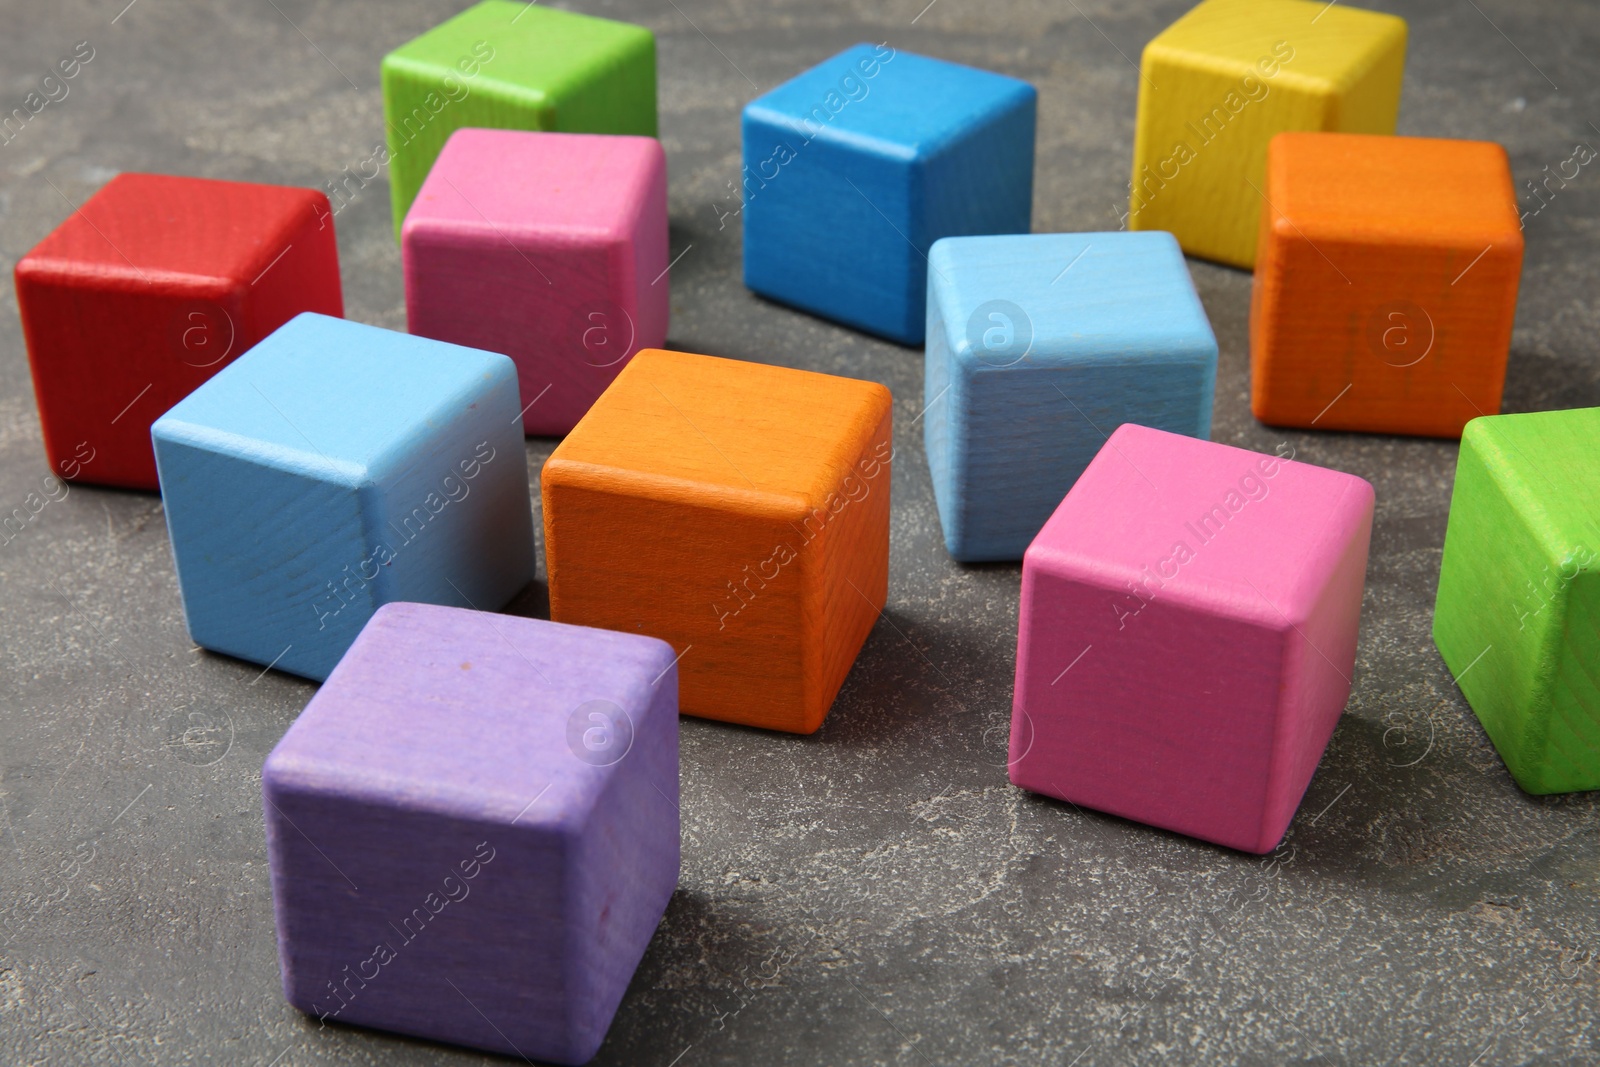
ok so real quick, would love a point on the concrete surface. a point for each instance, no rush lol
(876, 894)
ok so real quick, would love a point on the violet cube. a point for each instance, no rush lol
(548, 247)
(473, 829)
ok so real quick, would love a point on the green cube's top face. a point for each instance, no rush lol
(1326, 46)
(512, 66)
(538, 53)
(1547, 463)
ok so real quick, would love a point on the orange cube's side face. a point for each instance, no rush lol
(710, 580)
(851, 577)
(1372, 310)
(739, 512)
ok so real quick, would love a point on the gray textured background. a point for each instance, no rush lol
(877, 893)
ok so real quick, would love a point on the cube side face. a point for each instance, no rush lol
(1521, 667)
(625, 870)
(570, 308)
(944, 426)
(377, 907)
(498, 66)
(300, 273)
(109, 357)
(858, 269)
(851, 585)
(1181, 740)
(692, 572)
(1193, 163)
(1033, 431)
(450, 520)
(1413, 330)
(261, 552)
(1319, 664)
(980, 182)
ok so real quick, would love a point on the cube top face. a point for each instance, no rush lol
(1332, 44)
(341, 399)
(1225, 531)
(1047, 300)
(1345, 187)
(1547, 465)
(924, 104)
(574, 188)
(146, 228)
(1374, 309)
(540, 54)
(727, 427)
(529, 709)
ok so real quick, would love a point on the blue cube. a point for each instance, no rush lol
(334, 468)
(853, 169)
(1038, 347)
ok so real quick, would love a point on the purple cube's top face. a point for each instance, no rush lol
(474, 716)
(1218, 529)
(577, 188)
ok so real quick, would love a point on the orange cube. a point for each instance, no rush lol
(736, 510)
(1385, 283)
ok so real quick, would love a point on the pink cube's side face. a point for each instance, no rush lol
(550, 248)
(1168, 721)
(1187, 635)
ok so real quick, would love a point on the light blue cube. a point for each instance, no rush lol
(334, 468)
(1039, 346)
(853, 169)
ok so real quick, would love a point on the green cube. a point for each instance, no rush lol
(1518, 613)
(512, 66)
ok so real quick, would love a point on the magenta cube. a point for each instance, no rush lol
(1187, 635)
(548, 247)
(473, 829)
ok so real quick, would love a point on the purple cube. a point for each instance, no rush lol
(473, 829)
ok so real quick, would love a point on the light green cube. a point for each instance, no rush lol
(512, 66)
(1518, 613)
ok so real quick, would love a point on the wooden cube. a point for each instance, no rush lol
(1518, 613)
(1216, 85)
(1038, 346)
(1375, 308)
(505, 64)
(548, 247)
(1187, 634)
(336, 467)
(736, 510)
(853, 169)
(150, 288)
(473, 830)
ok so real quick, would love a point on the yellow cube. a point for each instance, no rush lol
(1219, 83)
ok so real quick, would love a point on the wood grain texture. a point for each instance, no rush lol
(548, 247)
(1187, 634)
(502, 64)
(1038, 346)
(736, 510)
(479, 802)
(855, 167)
(1219, 83)
(336, 467)
(150, 288)
(1387, 285)
(1517, 617)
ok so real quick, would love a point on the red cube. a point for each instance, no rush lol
(151, 287)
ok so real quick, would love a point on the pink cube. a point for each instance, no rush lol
(548, 247)
(1187, 635)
